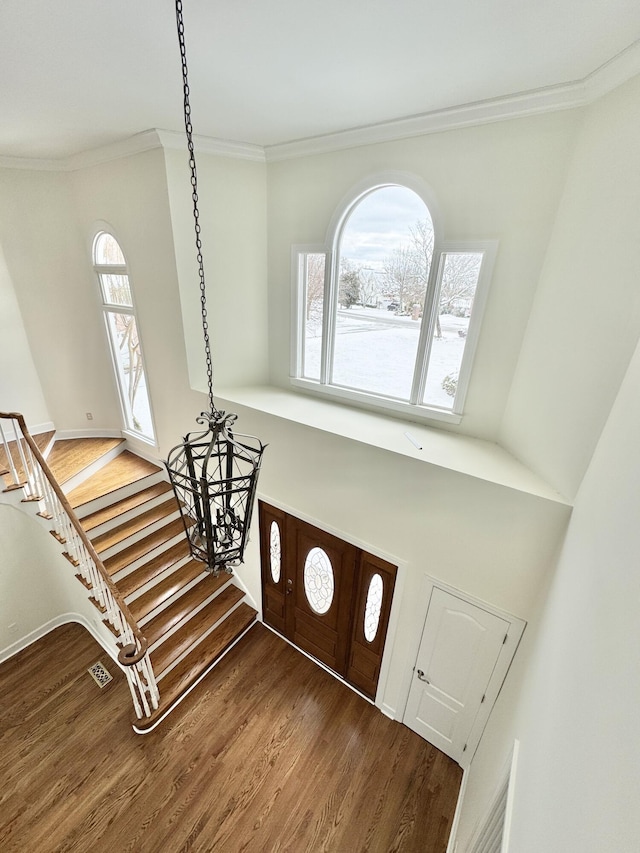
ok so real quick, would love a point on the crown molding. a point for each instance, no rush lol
(565, 96)
(148, 140)
(174, 141)
(550, 99)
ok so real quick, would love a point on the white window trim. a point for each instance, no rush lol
(109, 307)
(412, 408)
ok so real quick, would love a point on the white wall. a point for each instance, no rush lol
(233, 207)
(37, 584)
(130, 196)
(56, 290)
(494, 542)
(585, 320)
(496, 181)
(572, 694)
(20, 389)
(576, 715)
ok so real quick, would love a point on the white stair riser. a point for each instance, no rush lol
(123, 517)
(146, 558)
(179, 594)
(174, 567)
(92, 469)
(175, 663)
(118, 494)
(138, 536)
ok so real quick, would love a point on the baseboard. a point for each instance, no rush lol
(34, 429)
(453, 842)
(51, 625)
(388, 711)
(89, 433)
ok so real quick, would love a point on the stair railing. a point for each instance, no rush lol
(27, 469)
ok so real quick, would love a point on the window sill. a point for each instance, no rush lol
(371, 400)
(472, 457)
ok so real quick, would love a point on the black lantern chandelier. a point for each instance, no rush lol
(214, 473)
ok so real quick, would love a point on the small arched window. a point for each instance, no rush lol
(389, 315)
(124, 337)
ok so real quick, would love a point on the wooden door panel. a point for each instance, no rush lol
(335, 635)
(371, 620)
(324, 635)
(273, 591)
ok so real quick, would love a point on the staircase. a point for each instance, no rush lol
(130, 514)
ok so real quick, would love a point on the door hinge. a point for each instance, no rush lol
(505, 639)
(483, 698)
(464, 747)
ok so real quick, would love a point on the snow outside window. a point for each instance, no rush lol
(389, 315)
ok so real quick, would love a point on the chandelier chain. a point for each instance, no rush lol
(194, 196)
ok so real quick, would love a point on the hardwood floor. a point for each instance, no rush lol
(269, 753)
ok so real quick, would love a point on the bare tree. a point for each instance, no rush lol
(398, 276)
(369, 287)
(459, 280)
(315, 264)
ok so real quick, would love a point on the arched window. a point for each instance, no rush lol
(389, 315)
(124, 337)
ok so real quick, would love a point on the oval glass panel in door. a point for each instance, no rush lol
(318, 580)
(372, 608)
(275, 553)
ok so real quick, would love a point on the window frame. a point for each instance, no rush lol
(111, 308)
(413, 408)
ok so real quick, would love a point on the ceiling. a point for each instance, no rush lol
(85, 73)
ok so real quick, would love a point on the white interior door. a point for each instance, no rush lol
(456, 667)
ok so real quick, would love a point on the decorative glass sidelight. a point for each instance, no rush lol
(372, 608)
(275, 551)
(318, 580)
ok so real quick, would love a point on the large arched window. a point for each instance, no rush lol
(389, 315)
(124, 337)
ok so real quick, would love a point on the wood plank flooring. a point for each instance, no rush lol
(124, 469)
(72, 455)
(269, 753)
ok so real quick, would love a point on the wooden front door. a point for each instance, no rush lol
(326, 596)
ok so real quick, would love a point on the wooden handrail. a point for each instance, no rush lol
(127, 655)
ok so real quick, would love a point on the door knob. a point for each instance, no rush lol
(422, 677)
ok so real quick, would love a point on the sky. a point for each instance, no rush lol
(380, 223)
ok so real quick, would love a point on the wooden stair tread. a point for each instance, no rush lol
(71, 455)
(148, 601)
(125, 469)
(188, 602)
(185, 637)
(182, 676)
(157, 565)
(89, 522)
(138, 549)
(118, 534)
(42, 440)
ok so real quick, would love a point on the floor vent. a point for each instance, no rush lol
(99, 674)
